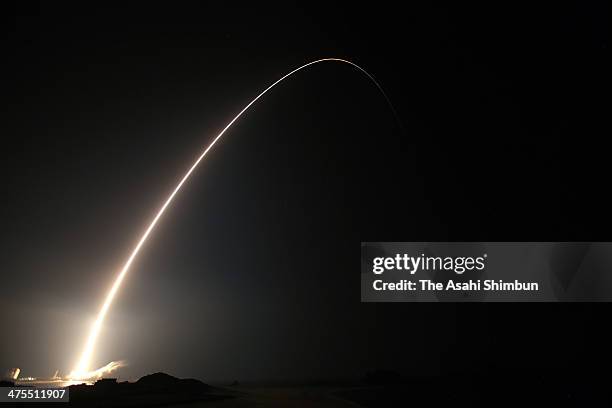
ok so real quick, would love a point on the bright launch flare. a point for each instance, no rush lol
(81, 371)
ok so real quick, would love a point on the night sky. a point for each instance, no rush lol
(253, 272)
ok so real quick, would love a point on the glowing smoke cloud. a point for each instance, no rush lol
(81, 371)
(100, 372)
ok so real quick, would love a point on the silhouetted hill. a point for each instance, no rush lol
(158, 379)
(163, 381)
(151, 390)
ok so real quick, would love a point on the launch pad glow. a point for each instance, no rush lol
(82, 369)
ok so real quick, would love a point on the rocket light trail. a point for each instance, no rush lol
(81, 371)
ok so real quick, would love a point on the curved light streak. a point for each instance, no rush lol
(82, 368)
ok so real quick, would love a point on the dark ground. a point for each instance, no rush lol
(377, 389)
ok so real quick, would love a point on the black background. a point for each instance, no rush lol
(253, 273)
